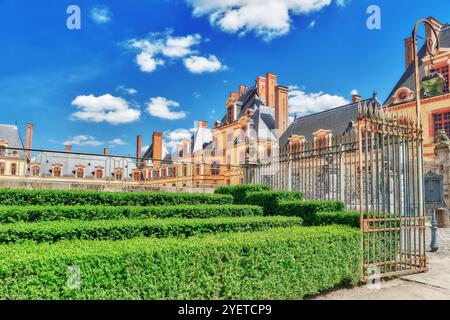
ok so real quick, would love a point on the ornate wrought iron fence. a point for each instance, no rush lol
(375, 170)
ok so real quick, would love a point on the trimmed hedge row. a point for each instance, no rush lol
(270, 200)
(126, 229)
(308, 210)
(347, 218)
(11, 214)
(281, 263)
(62, 197)
(239, 192)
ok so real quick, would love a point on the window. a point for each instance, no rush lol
(441, 121)
(118, 174)
(99, 173)
(2, 168)
(444, 72)
(2, 150)
(79, 172)
(197, 169)
(215, 170)
(184, 170)
(57, 171)
(35, 170)
(136, 175)
(14, 169)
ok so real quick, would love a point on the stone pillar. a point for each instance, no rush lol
(442, 152)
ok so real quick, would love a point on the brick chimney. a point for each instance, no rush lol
(281, 108)
(157, 145)
(408, 51)
(242, 89)
(105, 151)
(202, 124)
(261, 87)
(29, 140)
(68, 148)
(138, 150)
(356, 97)
(271, 83)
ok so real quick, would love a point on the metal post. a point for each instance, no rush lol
(434, 246)
(432, 48)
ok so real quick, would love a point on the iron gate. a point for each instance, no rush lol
(375, 170)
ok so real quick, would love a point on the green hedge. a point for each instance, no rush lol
(11, 214)
(61, 197)
(270, 200)
(308, 210)
(239, 192)
(347, 218)
(281, 263)
(126, 229)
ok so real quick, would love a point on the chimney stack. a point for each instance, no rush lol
(157, 145)
(138, 150)
(242, 89)
(356, 97)
(271, 83)
(409, 43)
(105, 151)
(29, 140)
(281, 108)
(68, 148)
(261, 87)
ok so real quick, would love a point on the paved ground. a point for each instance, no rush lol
(434, 284)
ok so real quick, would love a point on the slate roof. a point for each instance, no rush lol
(407, 79)
(338, 120)
(11, 134)
(70, 161)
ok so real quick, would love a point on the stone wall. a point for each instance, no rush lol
(111, 186)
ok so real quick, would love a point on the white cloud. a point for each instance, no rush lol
(266, 18)
(83, 140)
(154, 50)
(161, 108)
(198, 65)
(176, 137)
(302, 103)
(125, 90)
(342, 3)
(354, 92)
(117, 142)
(106, 108)
(101, 14)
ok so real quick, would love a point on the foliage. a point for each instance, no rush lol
(270, 200)
(281, 263)
(63, 197)
(11, 214)
(239, 192)
(54, 231)
(308, 210)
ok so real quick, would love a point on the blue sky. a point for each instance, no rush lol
(138, 66)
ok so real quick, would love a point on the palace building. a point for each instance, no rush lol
(434, 77)
(254, 120)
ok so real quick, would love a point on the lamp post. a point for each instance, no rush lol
(432, 47)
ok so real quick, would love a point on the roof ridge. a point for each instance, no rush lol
(332, 109)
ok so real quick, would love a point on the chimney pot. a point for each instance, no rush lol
(409, 43)
(105, 151)
(68, 148)
(356, 98)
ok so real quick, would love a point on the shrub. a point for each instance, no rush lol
(269, 200)
(240, 191)
(126, 229)
(61, 197)
(11, 214)
(347, 218)
(281, 263)
(308, 210)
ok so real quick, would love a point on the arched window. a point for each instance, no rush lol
(57, 170)
(2, 168)
(136, 175)
(99, 172)
(79, 172)
(35, 170)
(403, 94)
(118, 173)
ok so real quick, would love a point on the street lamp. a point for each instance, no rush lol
(432, 47)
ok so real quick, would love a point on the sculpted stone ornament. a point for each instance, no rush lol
(443, 141)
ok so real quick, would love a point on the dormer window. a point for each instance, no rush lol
(99, 172)
(35, 170)
(57, 170)
(403, 94)
(79, 172)
(118, 173)
(3, 146)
